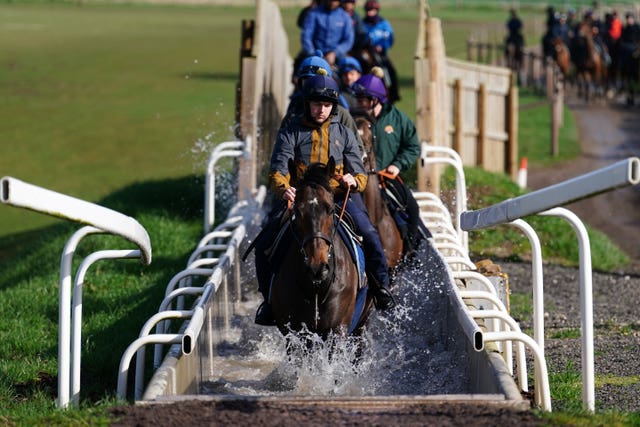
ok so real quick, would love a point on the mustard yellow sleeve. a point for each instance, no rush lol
(279, 183)
(361, 179)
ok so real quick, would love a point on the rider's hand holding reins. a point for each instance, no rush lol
(348, 181)
(393, 171)
(289, 194)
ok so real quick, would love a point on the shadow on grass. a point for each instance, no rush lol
(30, 261)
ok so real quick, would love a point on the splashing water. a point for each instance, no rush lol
(408, 351)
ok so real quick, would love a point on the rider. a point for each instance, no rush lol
(349, 71)
(360, 36)
(514, 29)
(396, 145)
(315, 137)
(381, 39)
(327, 28)
(308, 68)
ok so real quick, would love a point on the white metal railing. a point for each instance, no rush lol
(100, 220)
(216, 258)
(452, 244)
(545, 202)
(222, 150)
(439, 154)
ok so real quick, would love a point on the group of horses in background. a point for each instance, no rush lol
(597, 70)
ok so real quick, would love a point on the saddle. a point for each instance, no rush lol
(397, 196)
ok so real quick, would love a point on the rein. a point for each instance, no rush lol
(328, 240)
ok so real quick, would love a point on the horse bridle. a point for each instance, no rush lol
(327, 239)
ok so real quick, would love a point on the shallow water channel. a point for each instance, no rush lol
(411, 350)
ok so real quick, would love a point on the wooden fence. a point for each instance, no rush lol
(472, 108)
(542, 75)
(264, 88)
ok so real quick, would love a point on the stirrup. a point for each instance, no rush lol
(264, 315)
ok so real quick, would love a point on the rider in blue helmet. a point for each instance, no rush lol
(349, 71)
(316, 136)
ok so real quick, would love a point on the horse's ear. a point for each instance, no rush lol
(292, 170)
(331, 167)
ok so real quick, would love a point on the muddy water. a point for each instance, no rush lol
(408, 351)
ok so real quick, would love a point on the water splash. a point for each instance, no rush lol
(408, 351)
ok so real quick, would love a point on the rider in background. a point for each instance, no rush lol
(381, 39)
(349, 70)
(313, 137)
(514, 29)
(629, 40)
(514, 33)
(327, 28)
(396, 146)
(360, 35)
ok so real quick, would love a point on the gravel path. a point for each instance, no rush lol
(616, 298)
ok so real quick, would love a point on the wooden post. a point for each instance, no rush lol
(512, 166)
(557, 104)
(458, 116)
(245, 101)
(482, 127)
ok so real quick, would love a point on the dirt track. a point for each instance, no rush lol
(608, 132)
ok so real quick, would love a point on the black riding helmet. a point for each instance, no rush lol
(320, 88)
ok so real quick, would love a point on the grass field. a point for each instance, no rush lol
(119, 104)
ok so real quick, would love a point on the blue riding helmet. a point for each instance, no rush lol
(321, 88)
(349, 63)
(312, 65)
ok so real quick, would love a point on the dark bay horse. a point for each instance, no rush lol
(316, 286)
(376, 205)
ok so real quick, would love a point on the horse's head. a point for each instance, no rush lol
(313, 220)
(363, 123)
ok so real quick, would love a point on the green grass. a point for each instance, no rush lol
(119, 105)
(98, 97)
(119, 296)
(557, 238)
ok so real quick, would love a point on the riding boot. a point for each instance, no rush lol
(382, 297)
(264, 315)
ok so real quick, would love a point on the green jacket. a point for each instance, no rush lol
(396, 140)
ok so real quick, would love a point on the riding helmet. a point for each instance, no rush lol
(320, 88)
(347, 64)
(370, 86)
(313, 65)
(371, 4)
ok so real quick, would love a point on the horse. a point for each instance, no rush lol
(377, 207)
(590, 68)
(514, 53)
(562, 56)
(316, 288)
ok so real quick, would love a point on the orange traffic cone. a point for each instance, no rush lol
(522, 173)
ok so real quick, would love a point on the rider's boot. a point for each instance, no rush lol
(382, 297)
(264, 315)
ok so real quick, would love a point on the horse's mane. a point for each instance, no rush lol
(316, 174)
